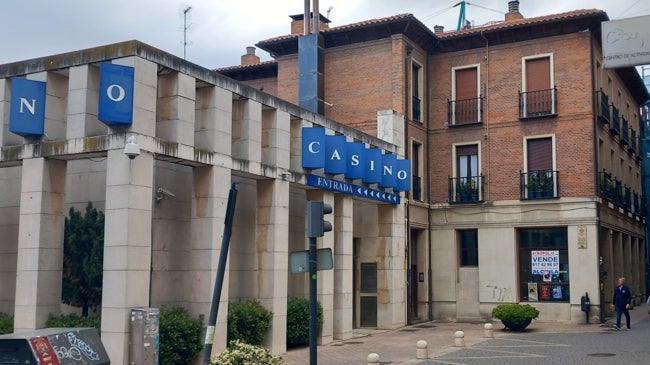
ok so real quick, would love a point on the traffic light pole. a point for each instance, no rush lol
(313, 303)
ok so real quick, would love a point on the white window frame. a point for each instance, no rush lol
(524, 87)
(477, 66)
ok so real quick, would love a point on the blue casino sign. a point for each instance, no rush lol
(336, 156)
(27, 108)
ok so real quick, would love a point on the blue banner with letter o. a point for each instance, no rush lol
(115, 94)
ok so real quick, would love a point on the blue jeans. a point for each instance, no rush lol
(620, 311)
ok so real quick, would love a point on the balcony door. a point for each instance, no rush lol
(467, 172)
(466, 101)
(538, 87)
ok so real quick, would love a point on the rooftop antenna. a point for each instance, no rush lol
(329, 10)
(461, 16)
(185, 28)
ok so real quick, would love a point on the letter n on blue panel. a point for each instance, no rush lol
(388, 176)
(115, 94)
(27, 108)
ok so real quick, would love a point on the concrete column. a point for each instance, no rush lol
(6, 138)
(83, 89)
(144, 94)
(127, 247)
(56, 95)
(325, 277)
(40, 243)
(213, 116)
(175, 108)
(272, 242)
(10, 196)
(275, 138)
(391, 275)
(247, 130)
(343, 266)
(211, 188)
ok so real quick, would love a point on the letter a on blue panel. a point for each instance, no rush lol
(388, 175)
(356, 166)
(336, 154)
(115, 94)
(403, 175)
(27, 107)
(313, 147)
(373, 166)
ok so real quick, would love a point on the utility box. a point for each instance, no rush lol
(144, 338)
(53, 346)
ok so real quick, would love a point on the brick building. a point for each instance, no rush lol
(523, 144)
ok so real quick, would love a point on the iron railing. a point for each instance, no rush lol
(603, 106)
(416, 109)
(625, 133)
(539, 184)
(539, 103)
(417, 188)
(615, 125)
(466, 189)
(468, 111)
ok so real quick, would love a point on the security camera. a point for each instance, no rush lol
(163, 193)
(131, 149)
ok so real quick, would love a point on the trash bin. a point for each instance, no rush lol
(53, 346)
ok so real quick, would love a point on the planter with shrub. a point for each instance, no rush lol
(239, 353)
(298, 321)
(6, 323)
(248, 322)
(515, 316)
(180, 336)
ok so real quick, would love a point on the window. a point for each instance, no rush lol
(466, 186)
(416, 83)
(540, 179)
(415, 168)
(468, 247)
(539, 96)
(465, 106)
(544, 265)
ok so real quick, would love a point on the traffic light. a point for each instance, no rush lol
(316, 225)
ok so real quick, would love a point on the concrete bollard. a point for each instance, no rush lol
(488, 331)
(422, 352)
(459, 339)
(373, 358)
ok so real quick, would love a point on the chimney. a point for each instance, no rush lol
(250, 58)
(513, 11)
(298, 23)
(438, 29)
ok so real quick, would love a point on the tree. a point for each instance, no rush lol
(83, 258)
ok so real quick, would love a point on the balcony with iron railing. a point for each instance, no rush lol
(539, 184)
(614, 191)
(417, 113)
(467, 189)
(537, 104)
(603, 112)
(464, 112)
(632, 147)
(625, 133)
(615, 125)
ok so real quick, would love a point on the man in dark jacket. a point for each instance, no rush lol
(622, 300)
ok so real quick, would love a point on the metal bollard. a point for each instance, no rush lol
(422, 352)
(488, 331)
(373, 358)
(459, 339)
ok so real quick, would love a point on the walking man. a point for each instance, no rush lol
(622, 300)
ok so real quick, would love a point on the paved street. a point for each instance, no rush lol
(543, 343)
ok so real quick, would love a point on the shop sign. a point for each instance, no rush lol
(27, 108)
(545, 262)
(347, 188)
(353, 160)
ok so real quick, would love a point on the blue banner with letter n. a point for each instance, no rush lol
(27, 107)
(115, 94)
(388, 178)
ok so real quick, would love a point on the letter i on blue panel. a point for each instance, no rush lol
(373, 168)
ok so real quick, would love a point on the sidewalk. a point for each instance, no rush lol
(399, 346)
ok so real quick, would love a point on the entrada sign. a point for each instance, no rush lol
(336, 156)
(27, 108)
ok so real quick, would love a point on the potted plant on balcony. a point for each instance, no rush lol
(515, 316)
(546, 184)
(467, 190)
(534, 186)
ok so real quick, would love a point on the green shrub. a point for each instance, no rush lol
(74, 320)
(6, 323)
(239, 353)
(515, 316)
(298, 321)
(248, 322)
(180, 336)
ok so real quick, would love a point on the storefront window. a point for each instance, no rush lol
(544, 265)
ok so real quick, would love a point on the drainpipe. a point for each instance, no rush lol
(408, 112)
(306, 18)
(428, 164)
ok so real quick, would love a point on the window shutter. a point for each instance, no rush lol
(540, 154)
(538, 74)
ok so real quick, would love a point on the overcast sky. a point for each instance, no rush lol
(219, 30)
